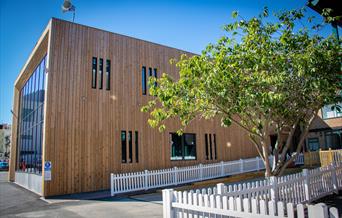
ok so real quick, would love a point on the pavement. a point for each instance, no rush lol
(16, 201)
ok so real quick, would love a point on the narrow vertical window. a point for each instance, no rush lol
(100, 73)
(94, 72)
(215, 148)
(130, 146)
(211, 147)
(189, 147)
(150, 72)
(149, 76)
(108, 75)
(136, 147)
(176, 147)
(143, 80)
(155, 76)
(206, 147)
(123, 147)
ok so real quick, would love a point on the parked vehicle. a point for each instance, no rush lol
(3, 166)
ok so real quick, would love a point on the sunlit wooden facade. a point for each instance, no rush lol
(93, 128)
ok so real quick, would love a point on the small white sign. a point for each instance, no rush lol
(47, 171)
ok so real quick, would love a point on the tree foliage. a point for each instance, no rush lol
(262, 76)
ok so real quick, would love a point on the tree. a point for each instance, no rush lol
(262, 76)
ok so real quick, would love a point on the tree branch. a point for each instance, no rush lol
(288, 141)
(300, 144)
(238, 123)
(258, 147)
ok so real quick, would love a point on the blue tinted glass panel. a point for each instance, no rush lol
(31, 117)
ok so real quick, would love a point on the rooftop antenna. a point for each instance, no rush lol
(69, 7)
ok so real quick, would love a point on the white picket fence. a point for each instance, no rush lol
(144, 180)
(258, 198)
(196, 205)
(306, 186)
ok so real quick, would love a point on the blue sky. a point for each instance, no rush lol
(187, 25)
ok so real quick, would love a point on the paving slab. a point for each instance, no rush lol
(16, 201)
(155, 198)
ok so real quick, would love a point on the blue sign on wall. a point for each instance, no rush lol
(47, 170)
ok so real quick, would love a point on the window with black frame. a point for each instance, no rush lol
(100, 73)
(143, 81)
(108, 74)
(155, 76)
(30, 123)
(123, 147)
(127, 138)
(333, 139)
(93, 73)
(210, 146)
(130, 147)
(313, 144)
(183, 147)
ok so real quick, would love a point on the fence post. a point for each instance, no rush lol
(167, 203)
(318, 210)
(334, 178)
(257, 163)
(176, 175)
(112, 184)
(220, 188)
(222, 170)
(201, 171)
(241, 165)
(274, 189)
(306, 184)
(146, 179)
(331, 158)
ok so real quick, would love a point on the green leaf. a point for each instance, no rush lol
(235, 14)
(161, 128)
(265, 12)
(226, 121)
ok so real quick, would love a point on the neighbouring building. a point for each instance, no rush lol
(5, 141)
(326, 130)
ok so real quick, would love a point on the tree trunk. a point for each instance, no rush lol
(268, 171)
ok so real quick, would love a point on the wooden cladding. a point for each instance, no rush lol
(100, 70)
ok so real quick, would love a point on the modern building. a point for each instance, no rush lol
(5, 141)
(78, 100)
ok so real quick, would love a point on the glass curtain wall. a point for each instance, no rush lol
(31, 118)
